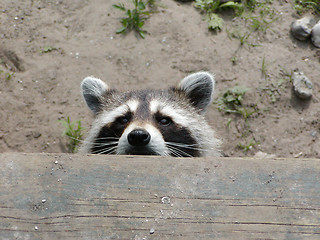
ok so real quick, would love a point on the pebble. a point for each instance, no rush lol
(36, 134)
(301, 28)
(315, 35)
(152, 231)
(313, 133)
(165, 200)
(302, 86)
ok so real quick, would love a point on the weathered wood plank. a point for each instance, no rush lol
(51, 196)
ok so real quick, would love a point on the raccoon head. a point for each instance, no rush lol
(151, 122)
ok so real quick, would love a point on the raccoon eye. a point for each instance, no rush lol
(165, 121)
(123, 120)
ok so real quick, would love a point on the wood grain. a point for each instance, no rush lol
(57, 196)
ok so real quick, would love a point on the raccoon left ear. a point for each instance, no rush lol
(93, 90)
(199, 88)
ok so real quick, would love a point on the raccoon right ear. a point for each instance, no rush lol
(198, 87)
(93, 90)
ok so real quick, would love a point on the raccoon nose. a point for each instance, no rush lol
(139, 137)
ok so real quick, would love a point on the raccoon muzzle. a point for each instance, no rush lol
(138, 137)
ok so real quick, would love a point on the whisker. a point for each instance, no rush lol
(188, 146)
(182, 145)
(107, 138)
(103, 144)
(96, 139)
(178, 151)
(108, 150)
(173, 152)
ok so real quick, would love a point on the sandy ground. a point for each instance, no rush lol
(45, 86)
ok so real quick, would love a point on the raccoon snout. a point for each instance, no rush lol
(139, 137)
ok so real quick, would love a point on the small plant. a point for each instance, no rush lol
(7, 75)
(135, 18)
(261, 22)
(302, 6)
(234, 60)
(48, 49)
(257, 18)
(246, 7)
(264, 68)
(274, 88)
(231, 100)
(248, 146)
(214, 21)
(242, 37)
(211, 7)
(74, 131)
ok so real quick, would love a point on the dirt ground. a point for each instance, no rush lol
(48, 47)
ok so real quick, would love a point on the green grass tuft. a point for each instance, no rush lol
(74, 131)
(134, 18)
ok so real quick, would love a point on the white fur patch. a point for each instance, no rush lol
(156, 143)
(133, 105)
(108, 117)
(154, 106)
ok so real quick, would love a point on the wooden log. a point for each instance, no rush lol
(58, 196)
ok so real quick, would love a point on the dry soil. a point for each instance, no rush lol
(49, 46)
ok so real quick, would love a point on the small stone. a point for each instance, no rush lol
(36, 134)
(313, 133)
(152, 231)
(315, 35)
(301, 28)
(43, 200)
(36, 228)
(165, 200)
(302, 86)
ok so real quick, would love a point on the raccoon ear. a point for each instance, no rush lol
(92, 92)
(199, 88)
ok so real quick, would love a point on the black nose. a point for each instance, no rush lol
(139, 137)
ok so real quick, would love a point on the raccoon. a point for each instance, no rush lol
(151, 122)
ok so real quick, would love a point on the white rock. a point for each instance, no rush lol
(315, 35)
(302, 86)
(301, 28)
